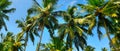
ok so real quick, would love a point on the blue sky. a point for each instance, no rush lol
(21, 12)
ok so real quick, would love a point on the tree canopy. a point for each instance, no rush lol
(71, 34)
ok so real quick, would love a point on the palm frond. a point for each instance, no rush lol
(89, 48)
(96, 2)
(32, 37)
(99, 32)
(88, 8)
(4, 4)
(79, 30)
(91, 26)
(47, 2)
(71, 10)
(9, 10)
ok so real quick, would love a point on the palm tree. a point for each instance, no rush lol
(3, 11)
(9, 43)
(73, 31)
(104, 12)
(100, 14)
(115, 39)
(42, 18)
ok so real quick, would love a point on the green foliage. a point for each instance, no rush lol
(96, 3)
(42, 18)
(89, 48)
(75, 29)
(104, 49)
(9, 43)
(3, 11)
(56, 44)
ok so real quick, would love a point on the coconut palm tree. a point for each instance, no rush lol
(4, 4)
(115, 39)
(104, 12)
(71, 30)
(9, 43)
(42, 18)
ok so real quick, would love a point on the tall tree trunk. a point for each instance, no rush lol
(39, 44)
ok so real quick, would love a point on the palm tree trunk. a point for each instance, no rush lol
(39, 44)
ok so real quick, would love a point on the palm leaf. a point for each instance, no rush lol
(71, 10)
(104, 49)
(3, 24)
(71, 32)
(96, 2)
(36, 32)
(31, 11)
(47, 2)
(88, 8)
(91, 26)
(79, 30)
(62, 31)
(32, 37)
(20, 23)
(9, 10)
(4, 4)
(99, 32)
(3, 10)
